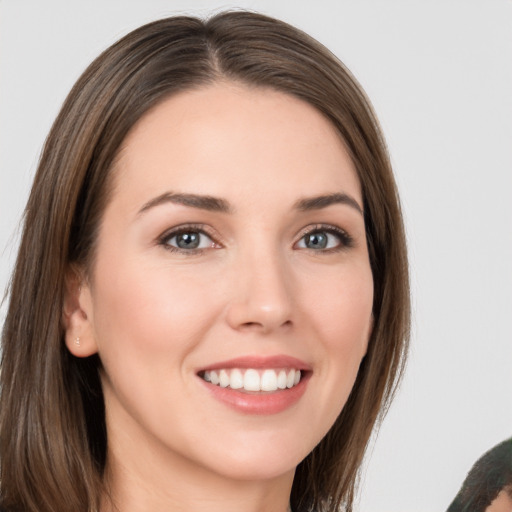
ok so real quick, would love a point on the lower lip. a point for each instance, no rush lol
(259, 403)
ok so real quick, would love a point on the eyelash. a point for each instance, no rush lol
(188, 228)
(345, 240)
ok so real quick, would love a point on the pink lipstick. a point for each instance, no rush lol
(255, 384)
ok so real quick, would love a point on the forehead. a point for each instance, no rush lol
(231, 140)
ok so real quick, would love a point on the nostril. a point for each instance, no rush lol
(250, 326)
(263, 326)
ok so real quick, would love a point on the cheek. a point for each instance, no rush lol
(343, 310)
(148, 320)
(146, 309)
(342, 324)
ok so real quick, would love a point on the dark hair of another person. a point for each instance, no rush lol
(53, 440)
(490, 474)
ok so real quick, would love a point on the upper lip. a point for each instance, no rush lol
(277, 361)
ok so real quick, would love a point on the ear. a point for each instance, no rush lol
(77, 315)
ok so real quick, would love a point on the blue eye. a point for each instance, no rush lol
(325, 239)
(318, 241)
(187, 239)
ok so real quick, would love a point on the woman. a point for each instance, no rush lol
(209, 308)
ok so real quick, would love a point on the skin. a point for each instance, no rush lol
(502, 503)
(156, 316)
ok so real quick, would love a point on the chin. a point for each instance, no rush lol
(259, 462)
(251, 470)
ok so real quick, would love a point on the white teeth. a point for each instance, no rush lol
(269, 381)
(253, 380)
(281, 380)
(290, 378)
(236, 380)
(223, 379)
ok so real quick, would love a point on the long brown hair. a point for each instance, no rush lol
(52, 427)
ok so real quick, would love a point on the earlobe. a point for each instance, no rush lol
(77, 316)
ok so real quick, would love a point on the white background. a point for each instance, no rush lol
(440, 76)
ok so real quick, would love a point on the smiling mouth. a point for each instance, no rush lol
(253, 380)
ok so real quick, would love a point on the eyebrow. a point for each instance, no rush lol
(323, 201)
(216, 204)
(209, 203)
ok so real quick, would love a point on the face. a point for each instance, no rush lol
(502, 503)
(231, 297)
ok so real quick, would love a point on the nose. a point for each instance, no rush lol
(261, 295)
